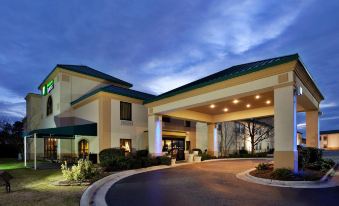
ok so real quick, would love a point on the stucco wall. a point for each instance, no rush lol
(201, 136)
(128, 130)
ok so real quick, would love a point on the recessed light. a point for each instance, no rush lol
(268, 102)
(257, 96)
(212, 106)
(248, 105)
(235, 101)
(225, 110)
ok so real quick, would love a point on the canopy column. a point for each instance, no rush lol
(25, 150)
(34, 142)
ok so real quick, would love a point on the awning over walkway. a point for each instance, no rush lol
(67, 132)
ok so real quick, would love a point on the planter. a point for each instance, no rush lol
(190, 157)
(196, 153)
(197, 158)
(173, 161)
(186, 156)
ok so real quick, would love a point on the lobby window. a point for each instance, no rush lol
(49, 106)
(50, 147)
(166, 119)
(187, 123)
(126, 144)
(125, 111)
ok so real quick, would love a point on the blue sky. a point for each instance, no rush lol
(159, 45)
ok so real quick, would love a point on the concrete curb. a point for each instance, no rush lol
(324, 182)
(95, 193)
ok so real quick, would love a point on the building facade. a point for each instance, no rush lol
(81, 110)
(329, 140)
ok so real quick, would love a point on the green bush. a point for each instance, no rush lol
(308, 155)
(282, 174)
(206, 156)
(263, 166)
(142, 153)
(109, 156)
(84, 170)
(321, 165)
(243, 152)
(164, 160)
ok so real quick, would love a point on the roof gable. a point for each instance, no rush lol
(116, 90)
(82, 69)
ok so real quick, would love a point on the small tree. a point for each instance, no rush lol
(257, 132)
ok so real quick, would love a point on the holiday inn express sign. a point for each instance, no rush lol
(46, 89)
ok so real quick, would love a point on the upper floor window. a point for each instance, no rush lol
(49, 106)
(125, 111)
(187, 123)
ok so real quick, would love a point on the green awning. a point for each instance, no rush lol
(67, 132)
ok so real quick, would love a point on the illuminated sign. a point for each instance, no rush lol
(46, 89)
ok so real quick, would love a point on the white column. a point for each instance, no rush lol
(212, 140)
(285, 128)
(155, 135)
(312, 129)
(34, 141)
(25, 150)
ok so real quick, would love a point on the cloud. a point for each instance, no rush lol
(301, 125)
(330, 118)
(7, 96)
(328, 105)
(239, 27)
(12, 110)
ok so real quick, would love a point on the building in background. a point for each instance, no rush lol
(329, 140)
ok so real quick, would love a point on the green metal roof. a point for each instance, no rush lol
(90, 72)
(329, 132)
(67, 132)
(229, 73)
(116, 90)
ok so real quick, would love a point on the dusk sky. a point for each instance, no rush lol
(160, 45)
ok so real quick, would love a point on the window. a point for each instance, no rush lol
(83, 148)
(325, 138)
(125, 111)
(187, 123)
(188, 145)
(126, 144)
(166, 119)
(49, 106)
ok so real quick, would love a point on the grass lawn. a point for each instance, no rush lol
(30, 187)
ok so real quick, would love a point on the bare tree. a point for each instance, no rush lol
(257, 132)
(228, 137)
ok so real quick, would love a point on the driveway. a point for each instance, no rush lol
(210, 183)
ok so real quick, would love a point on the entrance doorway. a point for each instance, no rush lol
(50, 147)
(170, 143)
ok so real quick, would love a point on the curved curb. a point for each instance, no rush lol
(324, 182)
(95, 193)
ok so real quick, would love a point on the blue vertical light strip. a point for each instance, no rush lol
(158, 135)
(295, 133)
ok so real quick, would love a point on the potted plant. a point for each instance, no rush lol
(197, 158)
(174, 153)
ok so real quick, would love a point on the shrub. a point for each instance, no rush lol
(164, 160)
(108, 156)
(243, 152)
(206, 156)
(82, 171)
(308, 155)
(263, 166)
(270, 151)
(282, 174)
(142, 153)
(321, 165)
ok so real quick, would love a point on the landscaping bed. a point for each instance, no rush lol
(311, 166)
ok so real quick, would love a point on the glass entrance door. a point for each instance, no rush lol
(170, 143)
